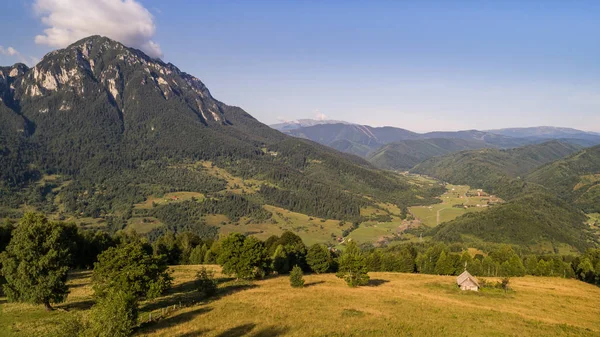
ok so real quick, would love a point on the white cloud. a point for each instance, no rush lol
(10, 51)
(126, 21)
(320, 116)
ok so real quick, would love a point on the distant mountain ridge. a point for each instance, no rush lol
(301, 123)
(371, 142)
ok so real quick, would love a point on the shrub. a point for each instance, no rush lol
(296, 279)
(206, 283)
(114, 315)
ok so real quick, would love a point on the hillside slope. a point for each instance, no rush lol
(496, 171)
(406, 154)
(104, 126)
(532, 220)
(575, 178)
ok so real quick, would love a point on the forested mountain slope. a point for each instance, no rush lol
(406, 154)
(497, 171)
(116, 126)
(535, 219)
(575, 178)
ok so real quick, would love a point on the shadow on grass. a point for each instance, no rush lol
(79, 274)
(194, 333)
(312, 284)
(150, 327)
(377, 282)
(271, 331)
(186, 293)
(246, 329)
(238, 331)
(81, 305)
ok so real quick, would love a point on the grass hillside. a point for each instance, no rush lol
(495, 170)
(576, 178)
(406, 154)
(541, 222)
(394, 304)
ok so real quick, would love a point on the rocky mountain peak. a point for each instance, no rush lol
(97, 65)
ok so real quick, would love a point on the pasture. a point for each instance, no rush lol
(394, 304)
(447, 210)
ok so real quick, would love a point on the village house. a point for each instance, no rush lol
(466, 281)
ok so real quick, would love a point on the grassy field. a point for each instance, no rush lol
(434, 215)
(311, 229)
(168, 198)
(392, 305)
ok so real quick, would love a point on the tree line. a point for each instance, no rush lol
(38, 254)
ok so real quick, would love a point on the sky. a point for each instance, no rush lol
(419, 65)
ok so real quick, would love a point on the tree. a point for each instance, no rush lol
(198, 253)
(296, 277)
(132, 269)
(206, 283)
(318, 258)
(167, 245)
(113, 315)
(374, 260)
(353, 267)
(36, 261)
(585, 270)
(279, 261)
(444, 265)
(244, 257)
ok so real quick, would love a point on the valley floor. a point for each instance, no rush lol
(393, 305)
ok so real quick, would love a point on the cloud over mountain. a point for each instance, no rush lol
(70, 20)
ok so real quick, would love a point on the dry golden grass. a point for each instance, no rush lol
(393, 305)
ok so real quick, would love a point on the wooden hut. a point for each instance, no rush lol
(466, 281)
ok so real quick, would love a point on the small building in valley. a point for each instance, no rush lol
(466, 281)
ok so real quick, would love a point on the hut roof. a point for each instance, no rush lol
(466, 276)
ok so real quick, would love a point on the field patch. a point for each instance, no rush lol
(169, 198)
(456, 201)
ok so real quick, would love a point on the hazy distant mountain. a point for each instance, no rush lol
(300, 123)
(546, 132)
(361, 140)
(352, 138)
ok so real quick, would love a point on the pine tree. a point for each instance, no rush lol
(353, 267)
(444, 265)
(36, 261)
(296, 277)
(318, 258)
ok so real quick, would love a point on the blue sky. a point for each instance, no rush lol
(420, 65)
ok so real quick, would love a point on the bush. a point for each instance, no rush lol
(206, 283)
(114, 315)
(296, 279)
